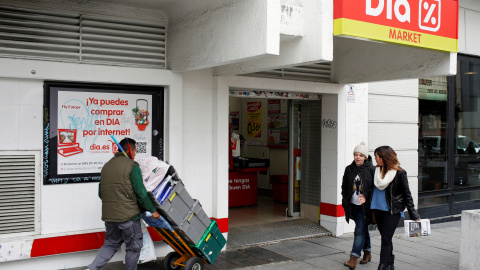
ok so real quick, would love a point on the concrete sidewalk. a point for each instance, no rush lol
(438, 251)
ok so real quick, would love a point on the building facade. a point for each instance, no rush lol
(197, 56)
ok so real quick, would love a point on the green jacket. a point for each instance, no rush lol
(122, 191)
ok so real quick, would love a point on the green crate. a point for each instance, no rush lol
(211, 243)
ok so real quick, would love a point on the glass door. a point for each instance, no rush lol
(432, 145)
(449, 141)
(466, 131)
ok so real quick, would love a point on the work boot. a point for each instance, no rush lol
(367, 256)
(352, 263)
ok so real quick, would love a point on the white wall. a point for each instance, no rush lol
(468, 30)
(315, 45)
(331, 155)
(198, 142)
(72, 208)
(204, 38)
(22, 106)
(393, 121)
(352, 128)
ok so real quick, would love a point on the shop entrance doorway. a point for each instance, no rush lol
(274, 178)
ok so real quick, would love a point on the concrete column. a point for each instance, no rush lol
(470, 240)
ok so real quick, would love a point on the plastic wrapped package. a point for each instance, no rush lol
(159, 223)
(153, 171)
(163, 189)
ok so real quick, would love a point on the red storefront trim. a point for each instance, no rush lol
(222, 224)
(332, 210)
(87, 241)
(66, 244)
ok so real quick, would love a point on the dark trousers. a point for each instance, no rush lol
(116, 233)
(387, 224)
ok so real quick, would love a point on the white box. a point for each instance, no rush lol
(415, 229)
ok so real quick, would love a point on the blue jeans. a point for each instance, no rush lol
(361, 236)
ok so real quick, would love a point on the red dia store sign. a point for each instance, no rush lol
(431, 24)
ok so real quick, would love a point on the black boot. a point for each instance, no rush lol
(382, 267)
(390, 263)
(390, 267)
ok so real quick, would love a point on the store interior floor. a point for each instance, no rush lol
(266, 222)
(265, 211)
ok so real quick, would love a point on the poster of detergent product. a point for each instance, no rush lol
(83, 126)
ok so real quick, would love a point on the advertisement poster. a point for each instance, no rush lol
(86, 121)
(281, 121)
(274, 136)
(82, 126)
(274, 106)
(283, 106)
(234, 120)
(254, 119)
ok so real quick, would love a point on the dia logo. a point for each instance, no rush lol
(429, 15)
(376, 11)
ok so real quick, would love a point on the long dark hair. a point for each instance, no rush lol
(389, 158)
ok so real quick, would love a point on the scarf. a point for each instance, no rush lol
(383, 183)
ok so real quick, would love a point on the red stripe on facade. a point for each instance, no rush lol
(332, 210)
(222, 224)
(67, 244)
(88, 241)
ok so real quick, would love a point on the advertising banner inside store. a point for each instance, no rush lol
(82, 122)
(431, 24)
(254, 119)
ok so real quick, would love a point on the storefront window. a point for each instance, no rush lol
(467, 125)
(449, 141)
(467, 196)
(432, 143)
(432, 201)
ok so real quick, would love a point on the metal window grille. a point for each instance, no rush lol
(33, 34)
(17, 193)
(317, 72)
(311, 137)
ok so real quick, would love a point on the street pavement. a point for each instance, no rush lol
(438, 251)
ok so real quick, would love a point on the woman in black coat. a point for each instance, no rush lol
(391, 196)
(357, 185)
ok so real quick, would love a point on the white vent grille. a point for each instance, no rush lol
(17, 193)
(80, 38)
(318, 72)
